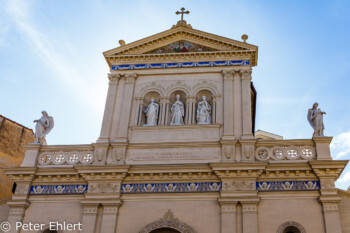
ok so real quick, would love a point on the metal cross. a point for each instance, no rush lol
(182, 13)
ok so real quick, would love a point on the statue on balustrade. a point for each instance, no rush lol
(203, 112)
(315, 118)
(43, 126)
(177, 112)
(152, 113)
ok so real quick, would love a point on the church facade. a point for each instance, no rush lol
(177, 153)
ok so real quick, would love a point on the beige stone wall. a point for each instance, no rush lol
(12, 135)
(199, 211)
(52, 208)
(276, 209)
(4, 210)
(344, 210)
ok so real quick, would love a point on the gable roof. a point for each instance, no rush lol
(142, 49)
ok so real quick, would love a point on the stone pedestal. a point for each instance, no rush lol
(31, 155)
(322, 147)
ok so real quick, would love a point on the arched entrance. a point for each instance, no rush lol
(291, 227)
(167, 224)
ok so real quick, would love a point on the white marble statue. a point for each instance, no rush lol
(43, 126)
(315, 118)
(177, 112)
(152, 113)
(203, 112)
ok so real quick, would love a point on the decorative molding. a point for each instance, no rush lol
(268, 186)
(171, 187)
(58, 189)
(104, 188)
(282, 227)
(168, 221)
(244, 185)
(180, 65)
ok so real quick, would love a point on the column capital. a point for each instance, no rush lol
(114, 78)
(130, 78)
(246, 74)
(228, 74)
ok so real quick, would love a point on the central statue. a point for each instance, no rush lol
(203, 112)
(177, 112)
(152, 113)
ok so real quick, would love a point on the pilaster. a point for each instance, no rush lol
(237, 104)
(130, 80)
(247, 104)
(109, 107)
(89, 217)
(328, 172)
(228, 216)
(23, 178)
(228, 105)
(109, 219)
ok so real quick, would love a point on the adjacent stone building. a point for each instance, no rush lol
(181, 172)
(12, 138)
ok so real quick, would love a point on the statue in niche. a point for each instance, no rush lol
(315, 118)
(177, 112)
(43, 126)
(203, 112)
(152, 113)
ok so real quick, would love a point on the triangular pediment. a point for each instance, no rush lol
(180, 40)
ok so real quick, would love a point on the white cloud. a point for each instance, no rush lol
(345, 178)
(341, 146)
(41, 44)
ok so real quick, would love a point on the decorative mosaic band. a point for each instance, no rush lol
(180, 65)
(57, 189)
(172, 187)
(268, 186)
(263, 186)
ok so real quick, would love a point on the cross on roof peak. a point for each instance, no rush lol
(182, 12)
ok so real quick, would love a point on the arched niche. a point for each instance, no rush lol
(167, 224)
(172, 99)
(146, 101)
(209, 98)
(291, 227)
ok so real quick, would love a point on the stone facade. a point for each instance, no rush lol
(189, 178)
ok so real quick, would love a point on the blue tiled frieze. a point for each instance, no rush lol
(263, 186)
(57, 189)
(267, 186)
(180, 65)
(171, 187)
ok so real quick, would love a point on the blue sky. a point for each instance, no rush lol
(51, 58)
